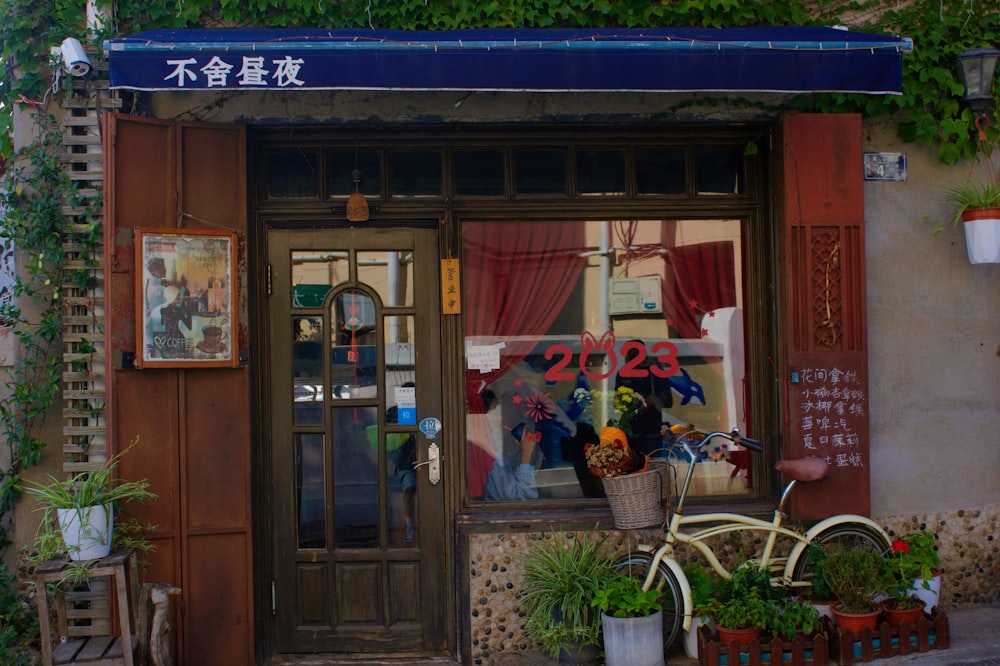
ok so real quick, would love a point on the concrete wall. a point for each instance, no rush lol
(934, 343)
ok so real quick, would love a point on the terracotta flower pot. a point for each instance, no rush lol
(896, 616)
(855, 622)
(741, 636)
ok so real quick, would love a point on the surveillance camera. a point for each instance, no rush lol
(74, 58)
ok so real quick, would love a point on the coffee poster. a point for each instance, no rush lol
(185, 314)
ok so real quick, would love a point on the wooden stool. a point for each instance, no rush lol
(79, 646)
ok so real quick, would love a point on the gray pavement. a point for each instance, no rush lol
(974, 641)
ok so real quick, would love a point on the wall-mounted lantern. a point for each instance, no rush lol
(976, 68)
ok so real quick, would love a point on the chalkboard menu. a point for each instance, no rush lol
(828, 418)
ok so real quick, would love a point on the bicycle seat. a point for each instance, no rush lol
(809, 468)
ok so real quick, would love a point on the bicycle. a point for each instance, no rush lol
(659, 569)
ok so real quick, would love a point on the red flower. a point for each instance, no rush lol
(900, 546)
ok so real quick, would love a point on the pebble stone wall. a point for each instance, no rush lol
(967, 542)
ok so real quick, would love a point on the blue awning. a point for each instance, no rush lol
(772, 59)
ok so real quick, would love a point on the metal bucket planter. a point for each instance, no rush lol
(633, 641)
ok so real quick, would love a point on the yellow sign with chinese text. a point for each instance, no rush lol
(451, 296)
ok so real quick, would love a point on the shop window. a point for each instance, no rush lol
(292, 174)
(654, 310)
(479, 173)
(415, 173)
(600, 172)
(660, 171)
(720, 170)
(540, 171)
(343, 167)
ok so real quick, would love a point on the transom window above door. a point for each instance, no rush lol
(509, 170)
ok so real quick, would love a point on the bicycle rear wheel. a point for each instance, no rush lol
(846, 535)
(637, 565)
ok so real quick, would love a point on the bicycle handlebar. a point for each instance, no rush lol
(735, 437)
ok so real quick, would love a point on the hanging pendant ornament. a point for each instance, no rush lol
(357, 205)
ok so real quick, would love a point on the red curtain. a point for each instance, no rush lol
(516, 276)
(697, 279)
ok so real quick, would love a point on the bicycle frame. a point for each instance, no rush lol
(719, 523)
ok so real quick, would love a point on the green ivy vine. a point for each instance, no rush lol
(32, 201)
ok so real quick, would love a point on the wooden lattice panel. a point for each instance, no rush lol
(84, 430)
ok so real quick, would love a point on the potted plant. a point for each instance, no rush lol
(977, 208)
(856, 577)
(791, 615)
(744, 608)
(705, 586)
(911, 567)
(81, 510)
(819, 593)
(632, 622)
(556, 596)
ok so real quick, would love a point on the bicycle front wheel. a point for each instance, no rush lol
(637, 565)
(838, 537)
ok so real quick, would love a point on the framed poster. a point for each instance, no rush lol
(185, 298)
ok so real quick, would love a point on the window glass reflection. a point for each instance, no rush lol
(342, 166)
(415, 173)
(479, 173)
(399, 362)
(546, 373)
(540, 170)
(660, 171)
(600, 172)
(314, 274)
(307, 369)
(292, 175)
(355, 474)
(353, 349)
(390, 273)
(401, 472)
(720, 170)
(310, 490)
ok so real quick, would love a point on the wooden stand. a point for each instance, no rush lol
(79, 646)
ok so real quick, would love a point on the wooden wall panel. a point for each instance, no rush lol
(824, 315)
(217, 462)
(193, 424)
(218, 569)
(139, 192)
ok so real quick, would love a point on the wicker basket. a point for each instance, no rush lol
(641, 499)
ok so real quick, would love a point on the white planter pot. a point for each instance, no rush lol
(87, 531)
(691, 637)
(823, 608)
(633, 641)
(982, 235)
(931, 594)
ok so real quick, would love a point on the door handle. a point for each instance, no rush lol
(433, 463)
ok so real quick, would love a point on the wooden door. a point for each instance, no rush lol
(359, 532)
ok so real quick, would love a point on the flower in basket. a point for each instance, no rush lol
(627, 404)
(611, 456)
